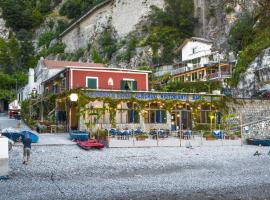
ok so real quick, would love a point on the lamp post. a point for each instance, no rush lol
(211, 122)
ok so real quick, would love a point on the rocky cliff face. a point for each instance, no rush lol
(3, 29)
(122, 16)
(256, 77)
(216, 18)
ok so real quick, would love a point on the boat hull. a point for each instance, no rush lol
(262, 142)
(78, 135)
(90, 144)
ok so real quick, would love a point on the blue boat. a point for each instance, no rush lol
(15, 135)
(78, 135)
(257, 142)
(33, 136)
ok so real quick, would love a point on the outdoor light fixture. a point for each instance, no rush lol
(73, 97)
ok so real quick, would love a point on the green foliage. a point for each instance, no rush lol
(229, 9)
(25, 14)
(108, 43)
(8, 84)
(46, 38)
(192, 87)
(55, 49)
(169, 27)
(261, 42)
(96, 57)
(75, 8)
(242, 33)
(61, 26)
(130, 51)
(251, 42)
(71, 9)
(15, 55)
(201, 127)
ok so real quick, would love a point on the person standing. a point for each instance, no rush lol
(26, 149)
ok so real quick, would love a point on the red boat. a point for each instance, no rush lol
(89, 144)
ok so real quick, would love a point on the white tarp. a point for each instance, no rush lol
(14, 105)
(4, 167)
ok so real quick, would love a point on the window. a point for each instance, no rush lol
(155, 114)
(47, 90)
(128, 85)
(55, 88)
(127, 114)
(92, 82)
(63, 84)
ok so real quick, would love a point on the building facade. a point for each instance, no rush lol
(45, 70)
(200, 62)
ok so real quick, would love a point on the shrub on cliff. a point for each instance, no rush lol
(169, 27)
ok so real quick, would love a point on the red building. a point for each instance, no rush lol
(96, 76)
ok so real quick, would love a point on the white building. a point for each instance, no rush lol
(44, 70)
(196, 52)
(200, 63)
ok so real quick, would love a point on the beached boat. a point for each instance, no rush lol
(78, 135)
(15, 135)
(90, 144)
(33, 135)
(262, 142)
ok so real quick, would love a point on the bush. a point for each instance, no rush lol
(108, 43)
(229, 9)
(202, 127)
(192, 87)
(242, 33)
(45, 39)
(261, 42)
(96, 57)
(169, 27)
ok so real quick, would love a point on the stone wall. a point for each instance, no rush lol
(255, 116)
(122, 15)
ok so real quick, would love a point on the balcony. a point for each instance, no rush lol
(217, 75)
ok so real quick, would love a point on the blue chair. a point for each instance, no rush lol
(217, 134)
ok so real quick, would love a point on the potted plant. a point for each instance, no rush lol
(102, 136)
(208, 135)
(141, 137)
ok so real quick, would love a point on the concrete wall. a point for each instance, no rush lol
(4, 167)
(256, 112)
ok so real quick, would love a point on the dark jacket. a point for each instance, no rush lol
(27, 143)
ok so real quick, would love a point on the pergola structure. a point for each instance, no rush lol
(131, 110)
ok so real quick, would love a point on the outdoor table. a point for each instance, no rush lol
(53, 128)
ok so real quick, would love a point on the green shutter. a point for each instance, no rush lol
(123, 83)
(92, 83)
(134, 85)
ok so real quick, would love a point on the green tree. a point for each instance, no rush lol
(242, 33)
(108, 43)
(170, 26)
(96, 57)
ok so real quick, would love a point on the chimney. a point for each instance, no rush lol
(31, 77)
